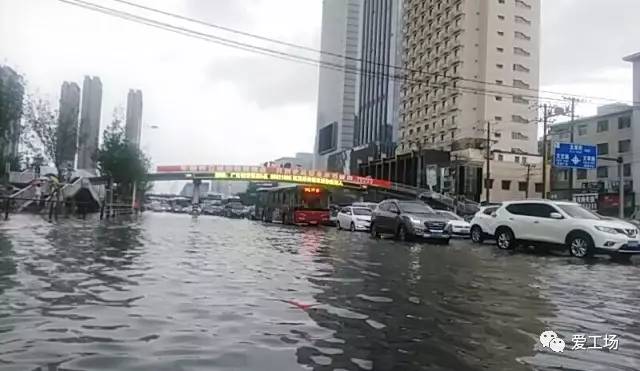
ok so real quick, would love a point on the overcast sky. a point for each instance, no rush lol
(214, 104)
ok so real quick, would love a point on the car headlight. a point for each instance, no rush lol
(416, 221)
(606, 229)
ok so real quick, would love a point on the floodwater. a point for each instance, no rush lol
(170, 292)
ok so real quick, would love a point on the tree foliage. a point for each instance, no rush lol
(11, 97)
(39, 132)
(119, 159)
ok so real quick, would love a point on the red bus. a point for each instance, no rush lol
(294, 204)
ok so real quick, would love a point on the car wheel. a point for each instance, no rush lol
(403, 234)
(476, 234)
(580, 245)
(505, 239)
(374, 231)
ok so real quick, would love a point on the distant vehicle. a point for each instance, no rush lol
(369, 205)
(456, 225)
(408, 220)
(354, 218)
(234, 210)
(565, 225)
(296, 204)
(482, 223)
(251, 212)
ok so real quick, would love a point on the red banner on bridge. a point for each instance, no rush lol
(325, 177)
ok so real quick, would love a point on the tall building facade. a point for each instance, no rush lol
(89, 133)
(337, 87)
(133, 128)
(67, 131)
(470, 63)
(379, 86)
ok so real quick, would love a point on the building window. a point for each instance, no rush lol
(626, 170)
(498, 118)
(563, 175)
(506, 185)
(539, 187)
(499, 82)
(490, 185)
(602, 172)
(500, 158)
(603, 126)
(501, 66)
(500, 1)
(516, 159)
(522, 186)
(603, 148)
(500, 50)
(624, 122)
(582, 130)
(524, 160)
(500, 33)
(624, 146)
(501, 17)
(581, 174)
(498, 98)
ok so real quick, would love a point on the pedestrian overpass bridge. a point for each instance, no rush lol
(379, 188)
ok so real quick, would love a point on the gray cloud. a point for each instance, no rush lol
(583, 37)
(269, 82)
(234, 13)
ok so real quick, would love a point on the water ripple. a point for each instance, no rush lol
(169, 292)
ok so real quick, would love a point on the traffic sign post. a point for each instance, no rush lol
(575, 156)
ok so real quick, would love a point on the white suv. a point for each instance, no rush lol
(564, 224)
(482, 223)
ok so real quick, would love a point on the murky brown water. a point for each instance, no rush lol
(168, 292)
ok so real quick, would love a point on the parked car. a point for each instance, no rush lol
(368, 205)
(354, 218)
(333, 214)
(482, 223)
(565, 225)
(234, 210)
(407, 220)
(456, 225)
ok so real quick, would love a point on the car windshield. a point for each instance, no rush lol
(449, 215)
(415, 208)
(579, 212)
(361, 211)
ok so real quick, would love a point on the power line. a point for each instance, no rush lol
(276, 53)
(337, 55)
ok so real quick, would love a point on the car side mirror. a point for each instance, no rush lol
(493, 214)
(396, 211)
(555, 216)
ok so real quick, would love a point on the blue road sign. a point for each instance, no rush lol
(577, 156)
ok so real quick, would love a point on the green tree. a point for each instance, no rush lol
(123, 162)
(39, 132)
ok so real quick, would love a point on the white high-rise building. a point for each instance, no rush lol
(89, 132)
(337, 87)
(133, 127)
(471, 63)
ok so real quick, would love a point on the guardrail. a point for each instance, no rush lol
(463, 206)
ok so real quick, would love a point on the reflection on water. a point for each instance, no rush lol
(170, 292)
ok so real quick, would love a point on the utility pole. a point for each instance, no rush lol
(621, 186)
(526, 191)
(544, 150)
(572, 130)
(488, 177)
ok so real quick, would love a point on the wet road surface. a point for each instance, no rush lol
(169, 292)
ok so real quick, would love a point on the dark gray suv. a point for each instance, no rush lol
(408, 220)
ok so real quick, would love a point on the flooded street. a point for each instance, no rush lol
(169, 292)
